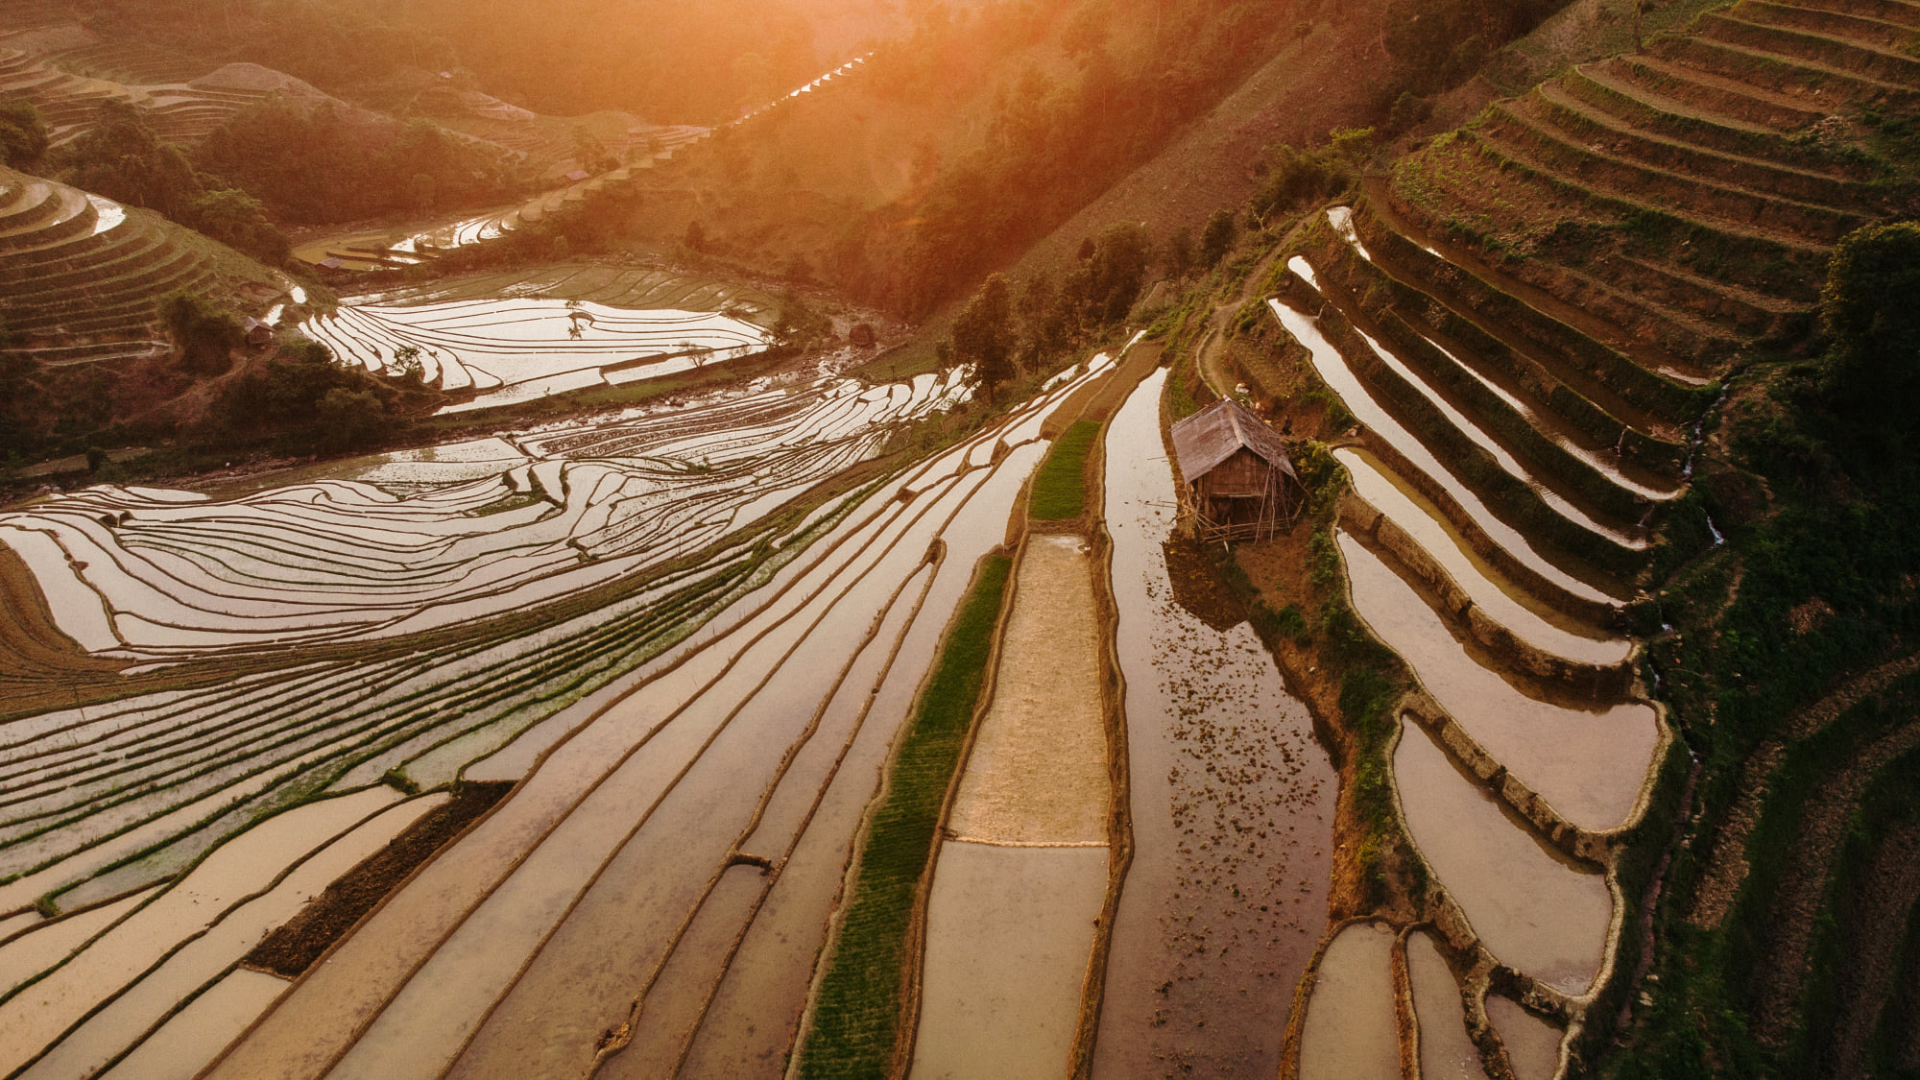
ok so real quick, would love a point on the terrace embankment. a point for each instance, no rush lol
(1527, 341)
(1022, 878)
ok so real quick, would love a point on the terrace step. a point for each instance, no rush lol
(1640, 93)
(31, 203)
(1904, 12)
(1873, 33)
(1570, 345)
(1818, 86)
(1529, 429)
(1836, 53)
(74, 218)
(1522, 131)
(1580, 119)
(1754, 258)
(1419, 442)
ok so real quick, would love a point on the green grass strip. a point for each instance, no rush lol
(1060, 487)
(857, 1017)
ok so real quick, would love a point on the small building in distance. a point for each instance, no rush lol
(1235, 477)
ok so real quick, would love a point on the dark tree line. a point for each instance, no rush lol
(122, 158)
(1051, 146)
(1003, 336)
(318, 163)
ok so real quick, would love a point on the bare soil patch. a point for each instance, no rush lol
(294, 947)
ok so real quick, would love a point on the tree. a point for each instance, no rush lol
(1217, 239)
(1177, 256)
(1297, 177)
(984, 335)
(122, 158)
(23, 134)
(204, 335)
(1119, 268)
(799, 325)
(1872, 368)
(590, 153)
(239, 221)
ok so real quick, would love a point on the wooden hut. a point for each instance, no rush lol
(1235, 477)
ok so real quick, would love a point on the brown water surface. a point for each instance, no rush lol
(1009, 935)
(1538, 912)
(1446, 1053)
(1230, 793)
(1350, 1032)
(1588, 762)
(1533, 1045)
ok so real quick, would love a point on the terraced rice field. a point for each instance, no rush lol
(182, 100)
(80, 275)
(1525, 371)
(520, 349)
(694, 668)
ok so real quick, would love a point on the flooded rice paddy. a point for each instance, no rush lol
(1533, 621)
(1538, 912)
(1586, 754)
(1019, 886)
(1587, 761)
(1231, 806)
(1350, 1033)
(1533, 1045)
(1333, 369)
(1446, 1051)
(542, 938)
(1009, 934)
(664, 723)
(521, 349)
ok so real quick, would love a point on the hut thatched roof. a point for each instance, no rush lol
(1219, 431)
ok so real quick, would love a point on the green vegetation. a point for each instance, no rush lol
(318, 163)
(1060, 486)
(204, 334)
(23, 134)
(1872, 369)
(1818, 505)
(1297, 177)
(122, 158)
(303, 402)
(1055, 140)
(858, 1009)
(1004, 338)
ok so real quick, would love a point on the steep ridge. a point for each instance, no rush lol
(1527, 318)
(389, 249)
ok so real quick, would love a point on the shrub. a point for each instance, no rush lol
(1297, 177)
(1872, 368)
(204, 335)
